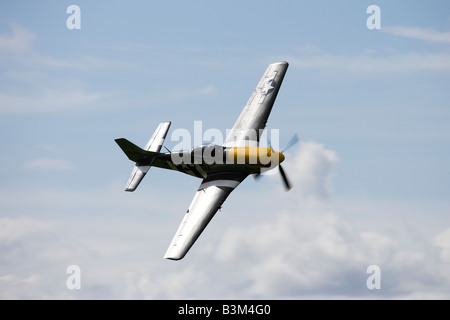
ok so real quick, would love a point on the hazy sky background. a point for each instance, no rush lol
(370, 174)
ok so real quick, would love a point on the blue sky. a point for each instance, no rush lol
(370, 174)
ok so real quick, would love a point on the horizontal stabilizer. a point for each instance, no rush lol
(156, 141)
(136, 176)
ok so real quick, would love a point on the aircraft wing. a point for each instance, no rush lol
(253, 118)
(209, 198)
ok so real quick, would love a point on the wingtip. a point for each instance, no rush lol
(281, 62)
(173, 254)
(169, 257)
(172, 259)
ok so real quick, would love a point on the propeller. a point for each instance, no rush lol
(293, 141)
(284, 177)
(286, 182)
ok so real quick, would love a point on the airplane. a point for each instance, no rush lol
(221, 167)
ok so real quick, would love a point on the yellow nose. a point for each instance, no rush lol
(275, 154)
(280, 157)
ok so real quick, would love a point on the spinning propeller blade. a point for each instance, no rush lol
(286, 182)
(285, 179)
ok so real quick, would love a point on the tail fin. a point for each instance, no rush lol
(143, 158)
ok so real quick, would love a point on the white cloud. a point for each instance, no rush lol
(48, 164)
(143, 284)
(311, 170)
(442, 240)
(313, 252)
(19, 229)
(35, 254)
(19, 41)
(19, 287)
(295, 254)
(429, 35)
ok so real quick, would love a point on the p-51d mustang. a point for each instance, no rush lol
(222, 168)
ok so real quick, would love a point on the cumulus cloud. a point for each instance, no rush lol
(20, 40)
(143, 284)
(311, 170)
(442, 241)
(314, 253)
(295, 255)
(21, 241)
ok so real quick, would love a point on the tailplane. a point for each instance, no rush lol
(143, 157)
